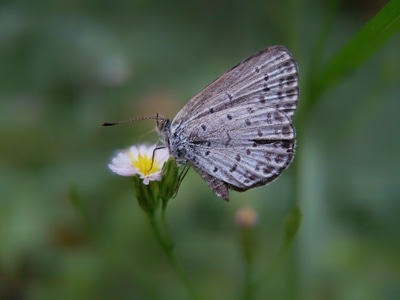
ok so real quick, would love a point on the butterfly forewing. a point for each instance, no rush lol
(269, 77)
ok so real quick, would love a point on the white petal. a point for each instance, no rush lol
(121, 165)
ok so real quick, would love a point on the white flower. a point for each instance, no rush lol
(140, 160)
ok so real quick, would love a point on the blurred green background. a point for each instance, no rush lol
(68, 66)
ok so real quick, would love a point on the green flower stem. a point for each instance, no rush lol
(166, 245)
(167, 237)
(292, 225)
(249, 287)
(247, 241)
(279, 259)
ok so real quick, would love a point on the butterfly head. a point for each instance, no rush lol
(162, 125)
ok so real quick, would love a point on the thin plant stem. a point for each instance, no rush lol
(247, 242)
(248, 281)
(167, 247)
(277, 262)
(164, 226)
(280, 258)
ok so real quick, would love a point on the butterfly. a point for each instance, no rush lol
(237, 133)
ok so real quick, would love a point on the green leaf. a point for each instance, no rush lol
(292, 224)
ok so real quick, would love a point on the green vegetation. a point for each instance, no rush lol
(69, 229)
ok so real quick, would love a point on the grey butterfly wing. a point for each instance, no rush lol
(219, 187)
(269, 77)
(240, 148)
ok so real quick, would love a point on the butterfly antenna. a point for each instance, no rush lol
(156, 117)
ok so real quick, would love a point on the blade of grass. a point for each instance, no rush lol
(358, 50)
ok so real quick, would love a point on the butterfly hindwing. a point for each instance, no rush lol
(243, 152)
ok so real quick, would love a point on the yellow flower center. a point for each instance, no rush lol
(145, 165)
